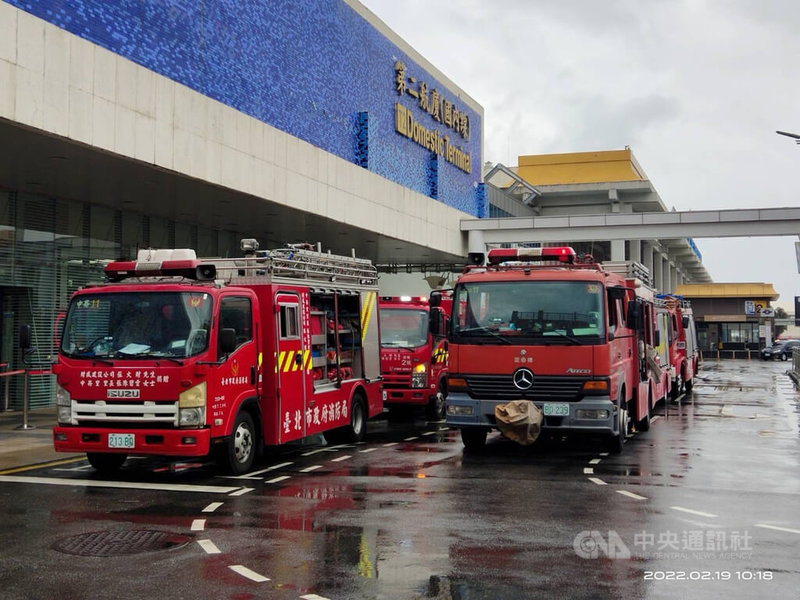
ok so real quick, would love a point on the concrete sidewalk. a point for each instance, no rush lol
(23, 447)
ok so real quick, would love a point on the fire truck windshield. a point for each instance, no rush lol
(538, 312)
(403, 328)
(137, 325)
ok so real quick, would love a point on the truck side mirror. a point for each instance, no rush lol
(435, 299)
(436, 323)
(227, 340)
(25, 338)
(657, 340)
(685, 322)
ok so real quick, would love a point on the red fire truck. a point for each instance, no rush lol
(180, 356)
(413, 359)
(684, 352)
(570, 336)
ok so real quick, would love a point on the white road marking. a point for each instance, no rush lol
(311, 468)
(198, 525)
(209, 547)
(245, 572)
(212, 507)
(83, 468)
(389, 445)
(241, 492)
(595, 461)
(365, 450)
(654, 419)
(693, 512)
(277, 479)
(317, 451)
(411, 439)
(341, 458)
(272, 468)
(597, 481)
(127, 485)
(313, 597)
(631, 495)
(430, 433)
(786, 529)
(604, 454)
(588, 471)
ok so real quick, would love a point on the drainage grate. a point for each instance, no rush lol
(120, 543)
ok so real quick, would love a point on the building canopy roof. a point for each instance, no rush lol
(727, 290)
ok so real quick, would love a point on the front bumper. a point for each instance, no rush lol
(412, 396)
(161, 442)
(483, 414)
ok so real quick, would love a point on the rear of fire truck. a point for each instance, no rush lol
(414, 353)
(554, 333)
(136, 359)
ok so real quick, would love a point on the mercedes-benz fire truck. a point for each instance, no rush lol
(570, 336)
(184, 357)
(414, 352)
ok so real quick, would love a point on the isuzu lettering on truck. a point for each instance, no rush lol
(414, 352)
(178, 356)
(574, 338)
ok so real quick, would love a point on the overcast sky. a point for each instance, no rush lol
(696, 88)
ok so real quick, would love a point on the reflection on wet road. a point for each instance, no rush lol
(704, 504)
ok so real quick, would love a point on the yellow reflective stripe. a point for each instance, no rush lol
(366, 313)
(278, 361)
(288, 364)
(307, 362)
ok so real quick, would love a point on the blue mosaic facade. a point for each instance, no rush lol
(313, 68)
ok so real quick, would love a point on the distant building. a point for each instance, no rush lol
(728, 316)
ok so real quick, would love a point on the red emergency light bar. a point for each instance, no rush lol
(410, 299)
(563, 254)
(162, 263)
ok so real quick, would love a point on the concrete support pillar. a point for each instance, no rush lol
(658, 266)
(664, 284)
(647, 257)
(617, 249)
(673, 283)
(635, 247)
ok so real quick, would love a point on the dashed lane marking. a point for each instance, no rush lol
(165, 487)
(411, 439)
(691, 511)
(341, 458)
(199, 525)
(597, 481)
(241, 492)
(390, 444)
(268, 469)
(277, 479)
(631, 495)
(311, 468)
(588, 471)
(365, 450)
(212, 507)
(595, 461)
(776, 528)
(313, 597)
(245, 572)
(209, 546)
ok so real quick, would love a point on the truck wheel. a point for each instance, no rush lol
(106, 463)
(436, 405)
(239, 450)
(643, 424)
(688, 384)
(474, 438)
(616, 442)
(356, 430)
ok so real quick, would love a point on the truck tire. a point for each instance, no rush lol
(355, 431)
(643, 424)
(617, 441)
(239, 450)
(688, 384)
(106, 462)
(474, 438)
(436, 404)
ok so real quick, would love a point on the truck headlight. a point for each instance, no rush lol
(419, 376)
(64, 405)
(192, 406)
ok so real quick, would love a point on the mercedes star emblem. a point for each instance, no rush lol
(523, 379)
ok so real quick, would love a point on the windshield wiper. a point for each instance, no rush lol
(484, 329)
(572, 339)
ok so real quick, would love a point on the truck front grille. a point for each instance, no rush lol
(545, 388)
(131, 413)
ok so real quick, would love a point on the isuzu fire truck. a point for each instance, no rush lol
(574, 338)
(183, 357)
(414, 352)
(684, 351)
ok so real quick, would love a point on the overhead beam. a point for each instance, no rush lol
(639, 226)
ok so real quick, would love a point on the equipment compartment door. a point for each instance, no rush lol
(293, 361)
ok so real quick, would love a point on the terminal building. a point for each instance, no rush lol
(193, 125)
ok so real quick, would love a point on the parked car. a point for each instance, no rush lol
(781, 349)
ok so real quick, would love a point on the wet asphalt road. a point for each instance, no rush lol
(706, 504)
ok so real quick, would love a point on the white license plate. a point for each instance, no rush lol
(556, 410)
(121, 440)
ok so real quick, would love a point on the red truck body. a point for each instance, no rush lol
(575, 339)
(684, 351)
(178, 356)
(413, 358)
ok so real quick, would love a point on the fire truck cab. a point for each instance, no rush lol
(572, 337)
(179, 356)
(414, 352)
